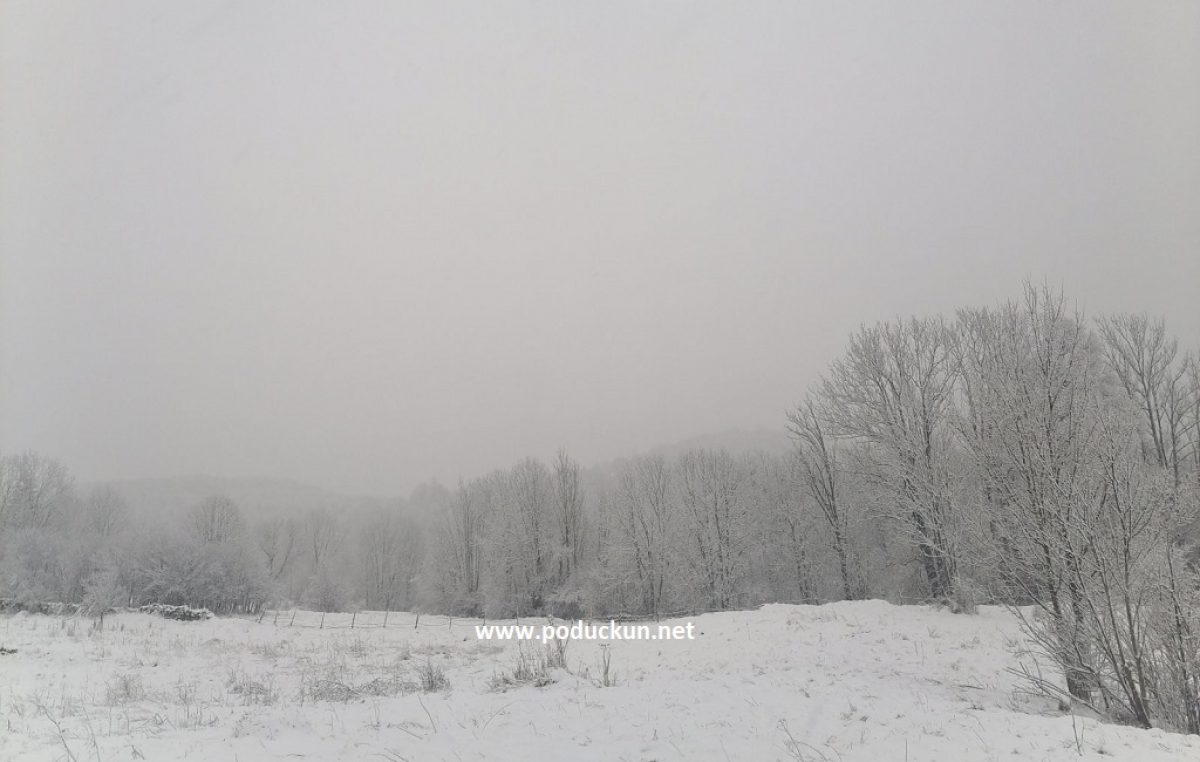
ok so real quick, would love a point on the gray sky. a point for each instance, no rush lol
(364, 244)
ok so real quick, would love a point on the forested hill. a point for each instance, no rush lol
(257, 496)
(267, 496)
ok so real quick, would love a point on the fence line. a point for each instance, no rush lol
(366, 620)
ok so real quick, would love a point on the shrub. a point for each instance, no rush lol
(251, 690)
(432, 677)
(531, 667)
(180, 613)
(124, 689)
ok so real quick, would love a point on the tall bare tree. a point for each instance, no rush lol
(106, 512)
(1146, 360)
(646, 521)
(568, 516)
(782, 502)
(1034, 381)
(1193, 414)
(324, 534)
(34, 490)
(277, 540)
(713, 501)
(462, 534)
(893, 390)
(215, 520)
(389, 553)
(819, 474)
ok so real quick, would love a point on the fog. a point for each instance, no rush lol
(363, 246)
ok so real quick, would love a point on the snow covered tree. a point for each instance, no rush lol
(104, 591)
(390, 553)
(893, 391)
(568, 517)
(215, 520)
(1147, 362)
(456, 563)
(35, 491)
(326, 591)
(783, 532)
(277, 540)
(324, 535)
(820, 477)
(1034, 380)
(715, 509)
(643, 502)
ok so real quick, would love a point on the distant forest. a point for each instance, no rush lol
(1022, 454)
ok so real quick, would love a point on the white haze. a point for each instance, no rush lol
(363, 245)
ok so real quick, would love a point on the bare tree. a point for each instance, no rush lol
(1146, 360)
(215, 520)
(1034, 380)
(103, 593)
(519, 538)
(1192, 414)
(34, 490)
(781, 502)
(645, 510)
(462, 536)
(106, 512)
(529, 491)
(1137, 603)
(568, 516)
(276, 539)
(819, 472)
(713, 500)
(893, 390)
(324, 533)
(389, 548)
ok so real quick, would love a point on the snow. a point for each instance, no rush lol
(847, 681)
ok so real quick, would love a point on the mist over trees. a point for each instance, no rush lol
(1020, 454)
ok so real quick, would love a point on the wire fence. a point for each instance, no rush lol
(361, 620)
(352, 620)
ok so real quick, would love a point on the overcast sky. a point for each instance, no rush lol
(365, 244)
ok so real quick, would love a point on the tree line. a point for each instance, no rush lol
(1020, 454)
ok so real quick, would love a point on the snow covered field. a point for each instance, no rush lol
(845, 681)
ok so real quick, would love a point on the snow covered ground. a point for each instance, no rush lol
(845, 681)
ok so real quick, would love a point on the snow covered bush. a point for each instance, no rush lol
(178, 613)
(432, 677)
(531, 666)
(210, 565)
